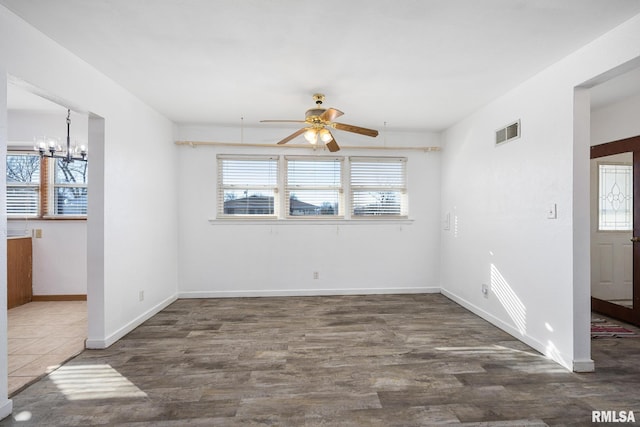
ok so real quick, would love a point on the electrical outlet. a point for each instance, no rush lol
(485, 290)
(37, 233)
(141, 296)
(316, 275)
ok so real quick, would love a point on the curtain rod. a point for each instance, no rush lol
(307, 146)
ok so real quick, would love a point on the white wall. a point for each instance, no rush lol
(218, 258)
(60, 255)
(131, 229)
(498, 197)
(616, 121)
(23, 126)
(6, 405)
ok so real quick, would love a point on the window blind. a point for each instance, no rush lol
(23, 184)
(314, 186)
(70, 188)
(247, 185)
(378, 186)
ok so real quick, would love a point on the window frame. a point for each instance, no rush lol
(282, 191)
(288, 188)
(599, 164)
(222, 186)
(359, 188)
(36, 185)
(52, 165)
(46, 190)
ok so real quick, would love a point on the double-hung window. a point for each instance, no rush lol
(45, 188)
(248, 185)
(378, 186)
(70, 188)
(23, 184)
(314, 186)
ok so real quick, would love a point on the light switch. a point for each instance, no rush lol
(552, 211)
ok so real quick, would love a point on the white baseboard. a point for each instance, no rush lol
(307, 292)
(532, 342)
(111, 339)
(584, 366)
(6, 408)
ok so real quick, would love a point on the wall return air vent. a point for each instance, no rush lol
(507, 133)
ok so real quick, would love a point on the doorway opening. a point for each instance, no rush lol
(47, 216)
(615, 229)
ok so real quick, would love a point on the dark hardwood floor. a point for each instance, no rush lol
(376, 360)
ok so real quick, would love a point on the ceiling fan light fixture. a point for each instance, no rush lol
(311, 135)
(317, 122)
(325, 135)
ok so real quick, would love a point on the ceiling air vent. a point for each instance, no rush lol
(507, 133)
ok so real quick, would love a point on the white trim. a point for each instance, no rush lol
(584, 366)
(308, 292)
(246, 157)
(6, 408)
(309, 221)
(99, 344)
(374, 159)
(315, 158)
(561, 359)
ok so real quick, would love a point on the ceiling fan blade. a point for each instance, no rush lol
(356, 129)
(333, 145)
(330, 115)
(282, 121)
(293, 135)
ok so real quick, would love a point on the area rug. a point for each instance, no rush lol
(601, 328)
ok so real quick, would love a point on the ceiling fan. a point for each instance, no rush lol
(318, 121)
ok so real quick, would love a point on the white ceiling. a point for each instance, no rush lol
(22, 100)
(412, 64)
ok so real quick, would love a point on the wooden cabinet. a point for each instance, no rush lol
(19, 261)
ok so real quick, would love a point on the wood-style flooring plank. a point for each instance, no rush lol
(373, 360)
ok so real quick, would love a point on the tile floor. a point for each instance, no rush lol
(42, 336)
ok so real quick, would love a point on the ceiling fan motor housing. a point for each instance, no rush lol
(313, 115)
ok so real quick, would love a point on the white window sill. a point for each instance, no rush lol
(309, 221)
(48, 218)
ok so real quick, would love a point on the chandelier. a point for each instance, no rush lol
(51, 148)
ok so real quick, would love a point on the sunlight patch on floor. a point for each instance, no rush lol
(491, 349)
(85, 382)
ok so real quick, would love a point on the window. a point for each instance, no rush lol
(314, 186)
(307, 187)
(378, 186)
(45, 187)
(70, 188)
(23, 184)
(247, 185)
(615, 197)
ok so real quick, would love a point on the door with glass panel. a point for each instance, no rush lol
(615, 229)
